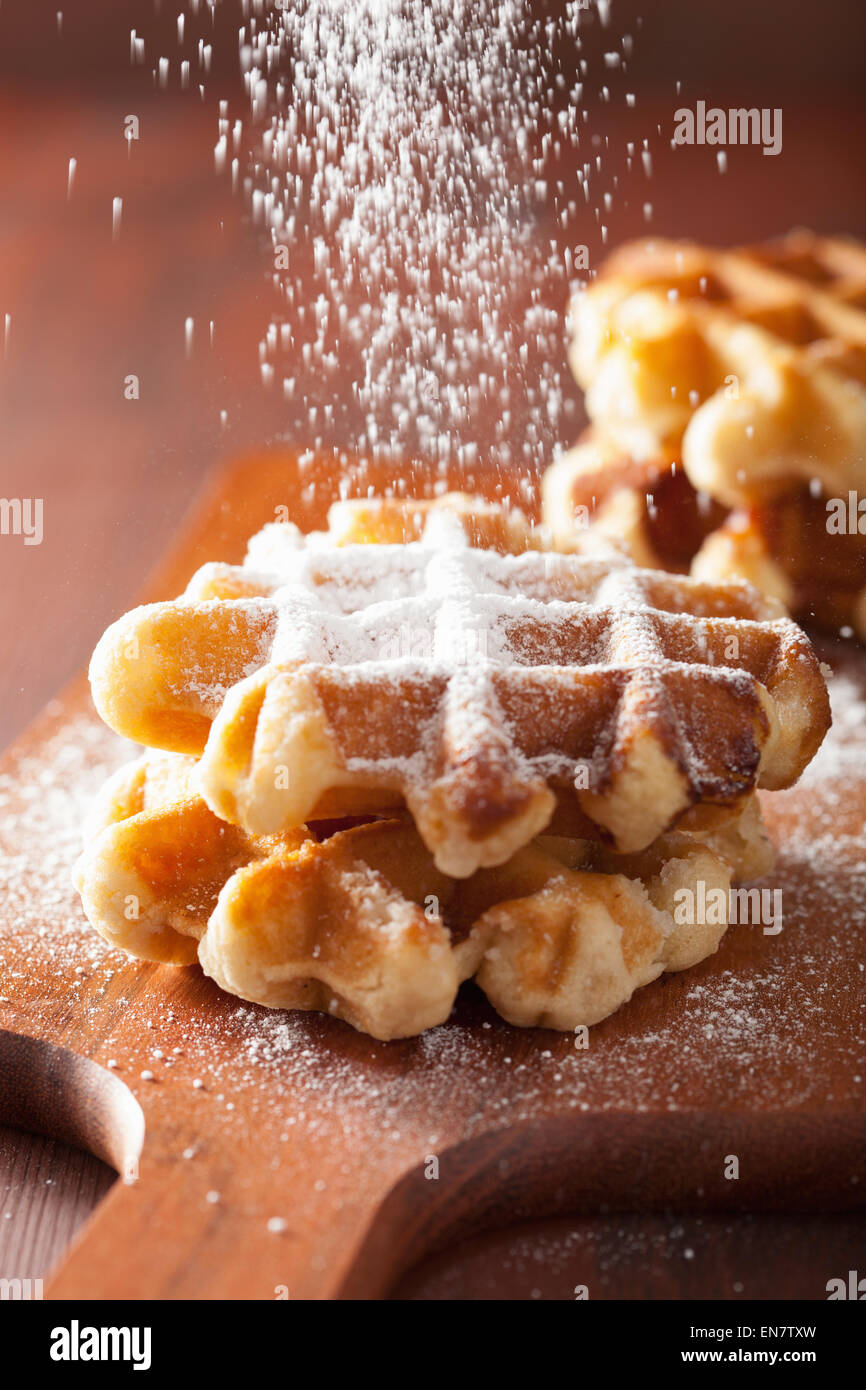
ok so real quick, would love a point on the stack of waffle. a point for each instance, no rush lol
(422, 747)
(727, 394)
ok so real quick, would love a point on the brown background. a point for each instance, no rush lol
(116, 476)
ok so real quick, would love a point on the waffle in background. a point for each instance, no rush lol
(781, 545)
(729, 387)
(496, 696)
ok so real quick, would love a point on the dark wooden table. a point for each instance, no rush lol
(116, 477)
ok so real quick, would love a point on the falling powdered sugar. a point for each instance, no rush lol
(400, 165)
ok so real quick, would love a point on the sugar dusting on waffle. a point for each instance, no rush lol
(459, 681)
(755, 1030)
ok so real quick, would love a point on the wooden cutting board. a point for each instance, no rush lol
(278, 1155)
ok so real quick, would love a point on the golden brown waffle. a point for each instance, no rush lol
(782, 546)
(485, 691)
(748, 365)
(648, 505)
(365, 927)
(400, 521)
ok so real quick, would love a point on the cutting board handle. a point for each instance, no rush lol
(162, 1237)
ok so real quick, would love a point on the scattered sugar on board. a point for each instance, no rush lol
(750, 1030)
(43, 804)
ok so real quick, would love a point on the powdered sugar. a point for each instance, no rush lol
(471, 650)
(401, 156)
(775, 1022)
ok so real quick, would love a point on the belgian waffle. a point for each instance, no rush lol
(362, 925)
(648, 504)
(747, 365)
(483, 690)
(398, 521)
(782, 546)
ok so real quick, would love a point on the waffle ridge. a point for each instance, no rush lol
(780, 545)
(363, 926)
(748, 364)
(476, 686)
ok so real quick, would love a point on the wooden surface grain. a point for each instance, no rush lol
(116, 476)
(255, 1117)
(47, 1191)
(648, 1256)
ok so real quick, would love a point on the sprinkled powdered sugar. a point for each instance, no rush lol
(843, 754)
(748, 1030)
(44, 802)
(403, 160)
(199, 683)
(400, 152)
(378, 87)
(440, 607)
